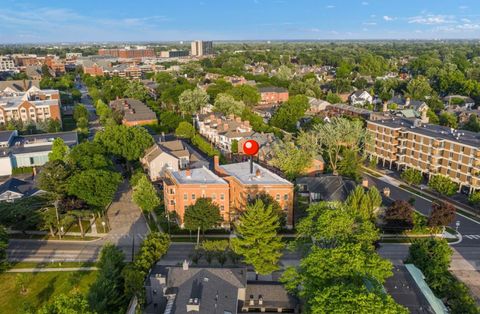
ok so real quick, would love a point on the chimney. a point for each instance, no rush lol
(260, 300)
(425, 118)
(185, 265)
(257, 173)
(407, 102)
(216, 164)
(385, 106)
(225, 126)
(188, 173)
(252, 300)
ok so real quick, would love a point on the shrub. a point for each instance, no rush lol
(443, 185)
(412, 176)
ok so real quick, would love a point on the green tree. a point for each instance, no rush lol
(257, 238)
(88, 155)
(203, 215)
(284, 73)
(49, 220)
(145, 195)
(418, 88)
(246, 93)
(71, 303)
(474, 198)
(448, 119)
(220, 86)
(59, 150)
(154, 246)
(127, 142)
(191, 101)
(473, 124)
(54, 177)
(80, 111)
(412, 176)
(106, 294)
(234, 146)
(351, 165)
(333, 98)
(96, 187)
(290, 158)
(185, 130)
(290, 112)
(226, 104)
(136, 90)
(399, 216)
(3, 248)
(443, 185)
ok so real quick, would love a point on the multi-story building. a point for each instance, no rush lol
(28, 150)
(54, 63)
(174, 54)
(33, 106)
(202, 48)
(231, 187)
(273, 95)
(432, 149)
(26, 60)
(183, 188)
(6, 64)
(134, 112)
(128, 53)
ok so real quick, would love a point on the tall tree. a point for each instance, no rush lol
(96, 187)
(226, 104)
(88, 155)
(191, 101)
(419, 88)
(290, 158)
(3, 248)
(127, 142)
(287, 116)
(399, 216)
(59, 150)
(73, 302)
(203, 215)
(442, 214)
(257, 238)
(246, 93)
(185, 130)
(54, 177)
(443, 185)
(412, 176)
(145, 195)
(106, 293)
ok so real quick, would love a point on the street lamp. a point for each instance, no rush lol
(61, 232)
(103, 224)
(457, 224)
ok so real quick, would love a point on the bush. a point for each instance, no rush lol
(22, 170)
(412, 176)
(474, 198)
(206, 147)
(443, 185)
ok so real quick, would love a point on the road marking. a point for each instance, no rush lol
(472, 236)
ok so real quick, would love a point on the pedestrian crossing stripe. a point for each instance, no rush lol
(472, 236)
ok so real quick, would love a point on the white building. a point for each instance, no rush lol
(361, 98)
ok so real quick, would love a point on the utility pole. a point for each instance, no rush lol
(198, 237)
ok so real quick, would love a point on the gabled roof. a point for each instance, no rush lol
(18, 186)
(19, 85)
(330, 187)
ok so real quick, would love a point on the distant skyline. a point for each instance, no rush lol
(104, 21)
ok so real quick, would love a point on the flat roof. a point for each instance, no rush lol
(198, 176)
(241, 171)
(433, 130)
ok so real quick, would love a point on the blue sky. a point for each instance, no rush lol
(172, 20)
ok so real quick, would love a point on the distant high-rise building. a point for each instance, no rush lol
(202, 48)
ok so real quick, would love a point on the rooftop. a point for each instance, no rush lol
(272, 90)
(330, 187)
(433, 130)
(24, 144)
(133, 109)
(197, 176)
(241, 171)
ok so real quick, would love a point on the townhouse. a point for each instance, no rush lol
(432, 149)
(134, 112)
(273, 95)
(32, 106)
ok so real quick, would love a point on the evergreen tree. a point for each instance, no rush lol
(257, 238)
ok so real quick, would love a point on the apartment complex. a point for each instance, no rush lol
(273, 95)
(128, 53)
(33, 106)
(202, 48)
(6, 64)
(231, 187)
(134, 112)
(174, 53)
(432, 149)
(223, 131)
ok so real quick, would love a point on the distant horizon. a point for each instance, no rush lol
(57, 21)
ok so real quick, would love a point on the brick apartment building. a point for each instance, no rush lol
(273, 95)
(34, 105)
(134, 112)
(127, 53)
(432, 149)
(54, 63)
(230, 187)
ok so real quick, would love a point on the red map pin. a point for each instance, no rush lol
(250, 147)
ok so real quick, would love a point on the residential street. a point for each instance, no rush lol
(128, 227)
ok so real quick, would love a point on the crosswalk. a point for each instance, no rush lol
(472, 236)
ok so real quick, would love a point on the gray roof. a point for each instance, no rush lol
(241, 171)
(136, 110)
(19, 85)
(215, 288)
(18, 186)
(198, 176)
(330, 187)
(401, 101)
(273, 294)
(433, 130)
(25, 144)
(5, 135)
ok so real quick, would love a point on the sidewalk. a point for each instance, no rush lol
(46, 270)
(467, 273)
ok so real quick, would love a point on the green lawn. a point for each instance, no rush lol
(52, 265)
(41, 287)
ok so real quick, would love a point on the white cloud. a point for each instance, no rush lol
(364, 3)
(370, 23)
(468, 26)
(432, 19)
(388, 18)
(330, 6)
(463, 7)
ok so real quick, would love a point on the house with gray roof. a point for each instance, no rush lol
(134, 112)
(325, 187)
(18, 85)
(360, 98)
(14, 188)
